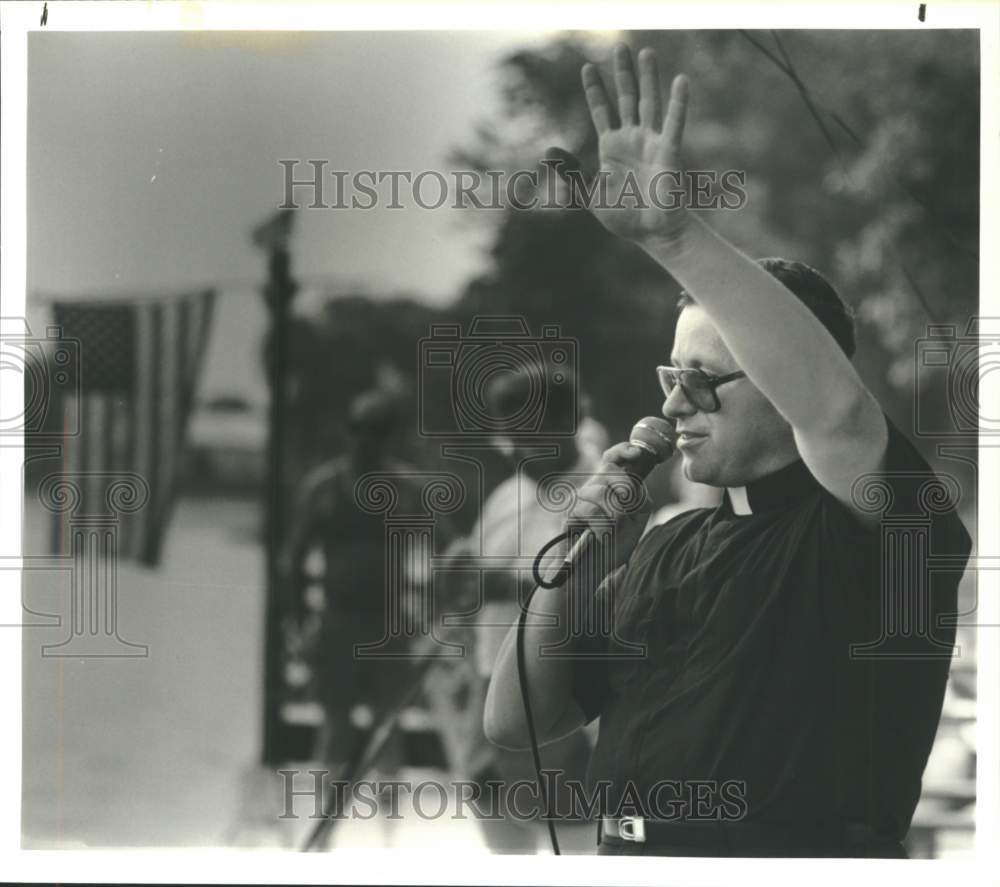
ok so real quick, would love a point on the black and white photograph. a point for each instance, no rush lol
(502, 435)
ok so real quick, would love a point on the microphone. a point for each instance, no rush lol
(654, 437)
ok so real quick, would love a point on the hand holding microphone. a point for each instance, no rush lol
(616, 495)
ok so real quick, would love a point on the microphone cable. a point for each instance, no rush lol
(652, 435)
(540, 582)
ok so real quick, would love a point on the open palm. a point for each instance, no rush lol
(638, 146)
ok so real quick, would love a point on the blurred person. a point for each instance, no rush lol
(747, 726)
(519, 516)
(353, 691)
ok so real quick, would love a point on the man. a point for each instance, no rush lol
(350, 570)
(750, 723)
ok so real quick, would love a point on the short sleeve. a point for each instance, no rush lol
(892, 583)
(893, 597)
(590, 685)
(907, 492)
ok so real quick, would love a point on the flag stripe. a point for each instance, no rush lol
(142, 406)
(107, 441)
(179, 402)
(154, 357)
(144, 359)
(167, 388)
(121, 455)
(84, 481)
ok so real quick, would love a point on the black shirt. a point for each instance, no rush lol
(748, 677)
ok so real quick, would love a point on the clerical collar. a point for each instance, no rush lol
(780, 489)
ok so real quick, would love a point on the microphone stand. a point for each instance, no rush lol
(366, 753)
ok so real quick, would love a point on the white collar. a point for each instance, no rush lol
(739, 500)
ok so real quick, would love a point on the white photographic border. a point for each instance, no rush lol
(385, 866)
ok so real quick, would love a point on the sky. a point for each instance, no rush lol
(153, 155)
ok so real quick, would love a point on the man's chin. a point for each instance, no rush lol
(696, 469)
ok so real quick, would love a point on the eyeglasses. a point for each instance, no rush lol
(697, 385)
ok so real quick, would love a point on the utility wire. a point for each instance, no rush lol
(787, 67)
(793, 75)
(788, 70)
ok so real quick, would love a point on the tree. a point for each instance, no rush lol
(872, 177)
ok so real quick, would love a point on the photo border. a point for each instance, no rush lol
(372, 866)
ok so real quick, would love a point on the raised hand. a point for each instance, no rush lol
(639, 149)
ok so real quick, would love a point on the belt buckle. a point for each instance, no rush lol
(632, 828)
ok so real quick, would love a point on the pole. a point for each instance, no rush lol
(273, 236)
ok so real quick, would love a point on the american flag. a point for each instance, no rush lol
(138, 363)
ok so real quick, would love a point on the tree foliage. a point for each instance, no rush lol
(872, 177)
(861, 159)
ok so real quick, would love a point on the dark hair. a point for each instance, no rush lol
(815, 292)
(373, 415)
(509, 392)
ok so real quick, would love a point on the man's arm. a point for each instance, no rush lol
(316, 492)
(783, 348)
(549, 679)
(839, 428)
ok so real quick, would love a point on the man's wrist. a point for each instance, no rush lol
(679, 247)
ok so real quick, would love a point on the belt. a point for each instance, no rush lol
(852, 839)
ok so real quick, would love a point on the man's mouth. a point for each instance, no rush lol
(687, 439)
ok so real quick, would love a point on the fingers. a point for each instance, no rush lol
(649, 90)
(612, 498)
(612, 492)
(638, 102)
(673, 126)
(628, 91)
(597, 98)
(620, 455)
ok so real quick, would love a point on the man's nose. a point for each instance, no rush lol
(677, 404)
